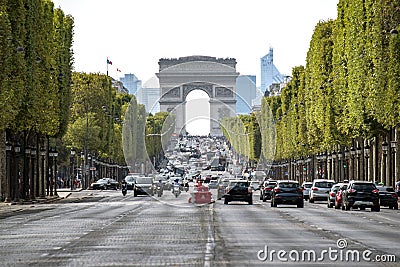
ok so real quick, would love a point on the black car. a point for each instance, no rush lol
(238, 190)
(266, 189)
(388, 197)
(361, 194)
(105, 183)
(130, 181)
(287, 192)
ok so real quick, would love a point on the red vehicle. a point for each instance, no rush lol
(339, 193)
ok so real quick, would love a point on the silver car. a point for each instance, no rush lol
(306, 189)
(320, 189)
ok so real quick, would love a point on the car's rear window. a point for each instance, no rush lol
(239, 184)
(288, 185)
(364, 187)
(307, 185)
(323, 184)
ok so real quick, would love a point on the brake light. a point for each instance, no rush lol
(277, 190)
(268, 188)
(376, 191)
(394, 195)
(352, 191)
(332, 194)
(314, 189)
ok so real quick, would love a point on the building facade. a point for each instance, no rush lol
(131, 82)
(245, 93)
(269, 73)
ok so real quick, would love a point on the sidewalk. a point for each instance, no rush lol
(62, 193)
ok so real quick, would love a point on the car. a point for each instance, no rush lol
(361, 194)
(130, 181)
(398, 188)
(255, 185)
(320, 189)
(144, 186)
(306, 189)
(339, 195)
(222, 184)
(332, 195)
(388, 197)
(238, 190)
(104, 184)
(266, 189)
(287, 192)
(213, 184)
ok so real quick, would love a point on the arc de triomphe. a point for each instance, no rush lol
(215, 76)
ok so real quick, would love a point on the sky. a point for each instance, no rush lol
(135, 34)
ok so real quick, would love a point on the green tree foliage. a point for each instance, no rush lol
(96, 105)
(349, 89)
(35, 100)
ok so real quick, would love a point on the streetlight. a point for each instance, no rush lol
(393, 149)
(33, 167)
(358, 162)
(71, 161)
(17, 150)
(339, 155)
(25, 179)
(352, 155)
(345, 163)
(8, 171)
(385, 147)
(43, 154)
(55, 155)
(89, 157)
(367, 152)
(83, 169)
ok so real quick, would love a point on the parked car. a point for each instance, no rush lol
(266, 189)
(238, 190)
(306, 189)
(222, 184)
(361, 194)
(339, 195)
(287, 192)
(104, 184)
(320, 189)
(332, 195)
(388, 197)
(143, 186)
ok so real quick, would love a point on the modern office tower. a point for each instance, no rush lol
(149, 95)
(131, 82)
(269, 73)
(245, 93)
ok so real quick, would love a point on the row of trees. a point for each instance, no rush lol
(35, 80)
(348, 93)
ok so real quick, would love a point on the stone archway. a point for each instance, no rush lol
(215, 76)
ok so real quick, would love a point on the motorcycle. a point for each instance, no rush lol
(124, 190)
(159, 191)
(176, 190)
(186, 186)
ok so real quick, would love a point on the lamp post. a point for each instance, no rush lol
(42, 183)
(89, 157)
(393, 149)
(8, 171)
(71, 161)
(367, 152)
(385, 147)
(339, 155)
(17, 150)
(55, 155)
(345, 164)
(358, 151)
(25, 180)
(352, 155)
(334, 173)
(32, 178)
(83, 169)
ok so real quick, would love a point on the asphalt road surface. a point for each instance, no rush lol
(103, 228)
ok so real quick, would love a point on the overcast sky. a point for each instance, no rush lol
(134, 34)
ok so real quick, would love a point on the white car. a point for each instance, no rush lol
(320, 189)
(306, 189)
